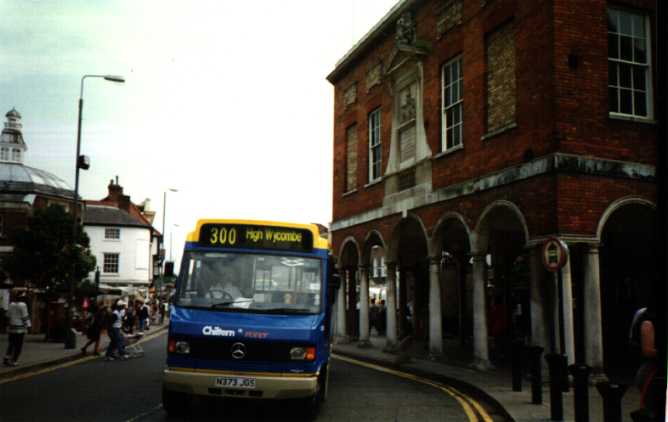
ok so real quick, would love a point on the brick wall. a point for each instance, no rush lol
(501, 82)
(558, 106)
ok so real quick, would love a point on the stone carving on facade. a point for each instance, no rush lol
(374, 76)
(407, 108)
(405, 30)
(350, 95)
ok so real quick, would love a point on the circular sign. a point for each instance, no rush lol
(555, 254)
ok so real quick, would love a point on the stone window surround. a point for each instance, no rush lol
(649, 100)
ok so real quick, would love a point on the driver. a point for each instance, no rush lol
(224, 288)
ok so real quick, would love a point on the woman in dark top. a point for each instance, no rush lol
(95, 329)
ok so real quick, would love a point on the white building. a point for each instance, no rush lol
(123, 241)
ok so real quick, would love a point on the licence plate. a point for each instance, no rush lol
(236, 382)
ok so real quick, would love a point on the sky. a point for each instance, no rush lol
(225, 101)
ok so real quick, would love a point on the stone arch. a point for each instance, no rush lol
(345, 251)
(393, 247)
(502, 277)
(437, 236)
(616, 205)
(410, 250)
(348, 264)
(451, 243)
(374, 237)
(627, 235)
(480, 238)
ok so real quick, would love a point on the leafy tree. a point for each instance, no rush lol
(45, 253)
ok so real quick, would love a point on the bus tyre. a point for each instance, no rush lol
(312, 404)
(173, 402)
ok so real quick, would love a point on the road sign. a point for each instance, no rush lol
(555, 254)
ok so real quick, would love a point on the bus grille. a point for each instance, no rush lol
(215, 349)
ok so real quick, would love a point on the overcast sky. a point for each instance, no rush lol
(225, 101)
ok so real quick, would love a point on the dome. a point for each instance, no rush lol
(13, 113)
(17, 178)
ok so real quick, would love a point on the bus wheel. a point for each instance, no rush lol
(173, 402)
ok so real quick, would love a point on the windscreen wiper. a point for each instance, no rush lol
(288, 311)
(229, 302)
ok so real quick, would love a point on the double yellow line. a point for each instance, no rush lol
(473, 409)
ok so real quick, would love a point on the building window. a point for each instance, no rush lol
(501, 84)
(375, 156)
(112, 233)
(4, 154)
(452, 102)
(628, 64)
(16, 155)
(110, 264)
(351, 158)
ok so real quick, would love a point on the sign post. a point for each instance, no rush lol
(555, 256)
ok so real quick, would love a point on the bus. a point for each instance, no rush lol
(250, 317)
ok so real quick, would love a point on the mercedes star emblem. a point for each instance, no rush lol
(238, 350)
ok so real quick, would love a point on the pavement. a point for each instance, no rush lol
(493, 385)
(38, 354)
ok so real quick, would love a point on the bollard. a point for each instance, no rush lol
(556, 367)
(612, 400)
(581, 379)
(517, 359)
(536, 374)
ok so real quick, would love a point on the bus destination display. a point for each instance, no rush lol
(255, 237)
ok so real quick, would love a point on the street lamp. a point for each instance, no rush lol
(81, 162)
(164, 213)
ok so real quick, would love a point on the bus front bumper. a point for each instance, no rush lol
(267, 385)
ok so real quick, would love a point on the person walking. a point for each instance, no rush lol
(643, 325)
(116, 340)
(19, 323)
(143, 315)
(161, 313)
(95, 329)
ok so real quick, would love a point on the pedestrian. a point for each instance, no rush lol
(129, 319)
(161, 313)
(143, 316)
(116, 340)
(95, 329)
(644, 324)
(19, 323)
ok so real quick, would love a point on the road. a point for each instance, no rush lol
(130, 390)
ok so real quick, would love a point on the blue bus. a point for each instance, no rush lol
(250, 316)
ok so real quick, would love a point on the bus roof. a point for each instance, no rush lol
(319, 241)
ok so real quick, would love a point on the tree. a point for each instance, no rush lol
(45, 253)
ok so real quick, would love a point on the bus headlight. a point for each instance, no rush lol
(180, 347)
(302, 353)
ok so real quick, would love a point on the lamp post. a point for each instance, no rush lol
(81, 162)
(164, 213)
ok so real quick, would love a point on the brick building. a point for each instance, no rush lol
(466, 133)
